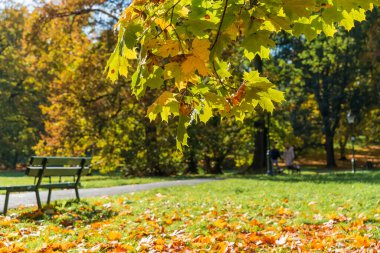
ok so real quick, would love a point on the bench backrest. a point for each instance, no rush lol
(40, 166)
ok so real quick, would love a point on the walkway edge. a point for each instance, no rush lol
(29, 199)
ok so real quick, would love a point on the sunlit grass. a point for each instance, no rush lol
(319, 212)
(93, 181)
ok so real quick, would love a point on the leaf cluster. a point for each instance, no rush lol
(180, 49)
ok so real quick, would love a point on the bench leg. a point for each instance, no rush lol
(49, 196)
(6, 202)
(38, 199)
(77, 193)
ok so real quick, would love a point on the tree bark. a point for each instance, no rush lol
(152, 149)
(192, 163)
(259, 154)
(213, 166)
(207, 164)
(342, 147)
(217, 168)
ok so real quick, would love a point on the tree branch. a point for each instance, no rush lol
(85, 11)
(220, 25)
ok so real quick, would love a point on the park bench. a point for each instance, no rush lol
(42, 167)
(294, 169)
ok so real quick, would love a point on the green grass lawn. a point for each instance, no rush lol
(95, 181)
(313, 213)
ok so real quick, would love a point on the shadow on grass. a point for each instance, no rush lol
(12, 173)
(368, 177)
(69, 213)
(307, 175)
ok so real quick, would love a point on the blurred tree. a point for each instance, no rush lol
(86, 113)
(324, 79)
(20, 120)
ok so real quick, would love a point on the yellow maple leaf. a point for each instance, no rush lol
(164, 97)
(232, 31)
(114, 235)
(158, 106)
(173, 70)
(184, 12)
(193, 63)
(162, 23)
(129, 53)
(169, 48)
(201, 49)
(128, 15)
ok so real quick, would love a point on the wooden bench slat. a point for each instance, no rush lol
(59, 161)
(57, 168)
(40, 167)
(18, 188)
(56, 171)
(57, 185)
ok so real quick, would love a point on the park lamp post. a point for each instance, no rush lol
(270, 170)
(351, 120)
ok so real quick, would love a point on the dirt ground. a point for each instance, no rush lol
(363, 155)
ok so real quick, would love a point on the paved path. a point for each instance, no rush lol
(29, 198)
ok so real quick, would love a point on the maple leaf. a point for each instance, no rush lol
(169, 48)
(192, 64)
(114, 235)
(201, 49)
(173, 70)
(258, 43)
(298, 8)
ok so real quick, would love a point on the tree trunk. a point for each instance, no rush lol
(329, 148)
(213, 166)
(217, 168)
(207, 164)
(152, 149)
(342, 148)
(192, 164)
(259, 154)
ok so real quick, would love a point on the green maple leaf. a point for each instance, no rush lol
(266, 104)
(138, 83)
(258, 43)
(276, 95)
(131, 33)
(295, 9)
(155, 79)
(254, 79)
(222, 69)
(113, 67)
(205, 112)
(182, 135)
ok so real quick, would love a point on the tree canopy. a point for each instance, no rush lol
(183, 49)
(56, 100)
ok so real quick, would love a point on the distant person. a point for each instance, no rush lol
(274, 156)
(288, 156)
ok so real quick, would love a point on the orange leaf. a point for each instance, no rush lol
(361, 241)
(193, 63)
(80, 236)
(114, 235)
(221, 224)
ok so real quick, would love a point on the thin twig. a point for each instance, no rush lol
(171, 24)
(220, 25)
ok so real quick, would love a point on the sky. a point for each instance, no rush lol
(28, 3)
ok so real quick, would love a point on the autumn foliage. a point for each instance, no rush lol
(183, 48)
(245, 215)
